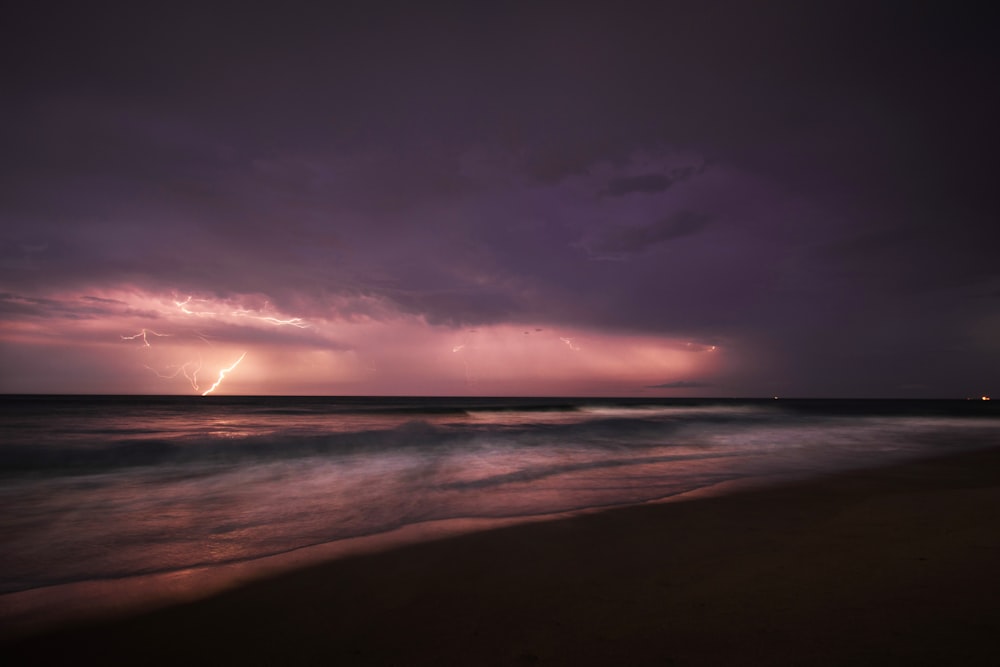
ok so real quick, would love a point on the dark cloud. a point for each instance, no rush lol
(76, 309)
(680, 384)
(16, 305)
(102, 300)
(642, 183)
(82, 308)
(647, 183)
(623, 241)
(457, 307)
(868, 244)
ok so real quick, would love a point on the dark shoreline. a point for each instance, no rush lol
(897, 565)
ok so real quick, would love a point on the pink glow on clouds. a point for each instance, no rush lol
(95, 343)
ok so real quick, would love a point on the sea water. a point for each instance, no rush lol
(105, 488)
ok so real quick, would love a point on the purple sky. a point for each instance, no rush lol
(662, 199)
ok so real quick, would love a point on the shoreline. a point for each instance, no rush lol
(891, 565)
(50, 608)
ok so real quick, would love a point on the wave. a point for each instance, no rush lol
(411, 436)
(157, 485)
(169, 431)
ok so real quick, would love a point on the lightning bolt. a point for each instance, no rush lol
(143, 335)
(297, 322)
(183, 306)
(465, 362)
(293, 322)
(192, 376)
(290, 322)
(222, 375)
(569, 342)
(211, 309)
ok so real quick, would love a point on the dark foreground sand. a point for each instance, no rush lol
(897, 566)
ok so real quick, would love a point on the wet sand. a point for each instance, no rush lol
(891, 566)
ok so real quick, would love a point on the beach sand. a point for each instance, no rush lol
(891, 566)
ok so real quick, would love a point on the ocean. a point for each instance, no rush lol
(110, 488)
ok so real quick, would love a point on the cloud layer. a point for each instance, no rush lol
(646, 183)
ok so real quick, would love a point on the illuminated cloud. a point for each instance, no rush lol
(196, 340)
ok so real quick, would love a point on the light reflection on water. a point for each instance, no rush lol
(145, 489)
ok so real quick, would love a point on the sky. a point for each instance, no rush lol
(620, 198)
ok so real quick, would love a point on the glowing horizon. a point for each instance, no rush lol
(282, 353)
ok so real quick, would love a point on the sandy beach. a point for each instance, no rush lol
(897, 565)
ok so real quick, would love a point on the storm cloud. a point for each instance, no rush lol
(632, 239)
(810, 185)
